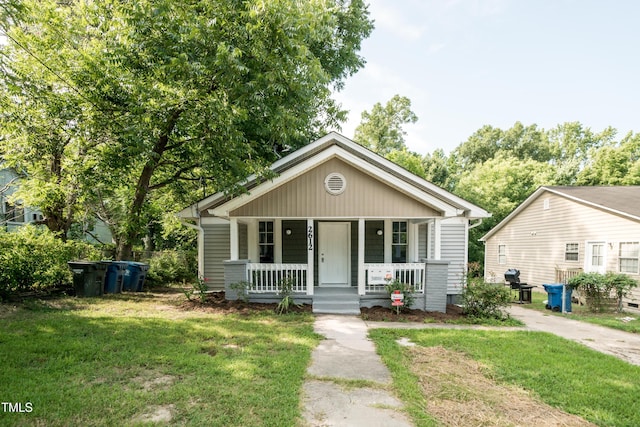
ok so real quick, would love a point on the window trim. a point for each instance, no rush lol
(635, 258)
(568, 252)
(502, 254)
(399, 233)
(271, 243)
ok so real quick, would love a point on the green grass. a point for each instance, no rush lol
(564, 374)
(582, 313)
(109, 361)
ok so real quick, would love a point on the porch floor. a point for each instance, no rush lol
(336, 300)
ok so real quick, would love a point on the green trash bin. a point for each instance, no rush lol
(88, 277)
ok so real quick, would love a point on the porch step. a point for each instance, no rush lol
(336, 301)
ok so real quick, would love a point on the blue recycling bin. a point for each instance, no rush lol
(554, 300)
(134, 276)
(115, 276)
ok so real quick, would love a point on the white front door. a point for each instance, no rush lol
(334, 257)
(595, 258)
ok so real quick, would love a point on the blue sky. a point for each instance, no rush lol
(467, 63)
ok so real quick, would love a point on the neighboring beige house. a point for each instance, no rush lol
(559, 231)
(337, 221)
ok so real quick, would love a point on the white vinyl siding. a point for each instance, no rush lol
(454, 250)
(216, 250)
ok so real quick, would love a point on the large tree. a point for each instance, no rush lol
(382, 129)
(173, 93)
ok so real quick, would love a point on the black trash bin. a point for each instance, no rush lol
(88, 277)
(135, 276)
(114, 277)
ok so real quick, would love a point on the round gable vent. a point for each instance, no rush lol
(335, 183)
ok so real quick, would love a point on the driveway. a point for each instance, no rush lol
(623, 345)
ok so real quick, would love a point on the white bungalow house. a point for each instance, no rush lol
(560, 231)
(338, 221)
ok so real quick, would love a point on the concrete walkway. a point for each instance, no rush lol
(348, 354)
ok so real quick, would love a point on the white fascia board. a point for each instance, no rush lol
(337, 152)
(474, 211)
(191, 211)
(401, 185)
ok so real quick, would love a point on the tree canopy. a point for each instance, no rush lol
(381, 130)
(132, 97)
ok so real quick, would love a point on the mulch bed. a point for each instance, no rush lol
(384, 314)
(216, 303)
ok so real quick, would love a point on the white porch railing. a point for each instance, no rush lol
(410, 273)
(267, 278)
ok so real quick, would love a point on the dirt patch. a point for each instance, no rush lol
(156, 414)
(215, 302)
(156, 383)
(458, 393)
(385, 314)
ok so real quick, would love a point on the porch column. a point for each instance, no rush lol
(277, 241)
(361, 272)
(252, 241)
(233, 239)
(413, 248)
(310, 256)
(388, 240)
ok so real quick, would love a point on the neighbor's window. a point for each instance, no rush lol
(628, 258)
(13, 213)
(571, 251)
(265, 234)
(399, 243)
(502, 254)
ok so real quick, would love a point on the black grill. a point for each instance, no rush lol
(512, 277)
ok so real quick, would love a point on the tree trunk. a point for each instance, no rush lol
(134, 227)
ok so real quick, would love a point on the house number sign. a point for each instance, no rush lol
(310, 237)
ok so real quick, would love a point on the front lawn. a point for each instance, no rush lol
(138, 358)
(556, 378)
(625, 321)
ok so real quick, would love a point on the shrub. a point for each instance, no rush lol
(603, 291)
(287, 301)
(172, 267)
(405, 289)
(33, 259)
(483, 300)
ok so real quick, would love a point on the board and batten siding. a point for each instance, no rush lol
(536, 238)
(306, 197)
(216, 250)
(453, 249)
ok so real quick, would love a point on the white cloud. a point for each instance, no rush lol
(396, 20)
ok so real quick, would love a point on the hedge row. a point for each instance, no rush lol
(33, 259)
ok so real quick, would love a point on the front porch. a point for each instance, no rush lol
(264, 281)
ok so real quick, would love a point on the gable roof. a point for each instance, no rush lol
(618, 200)
(331, 146)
